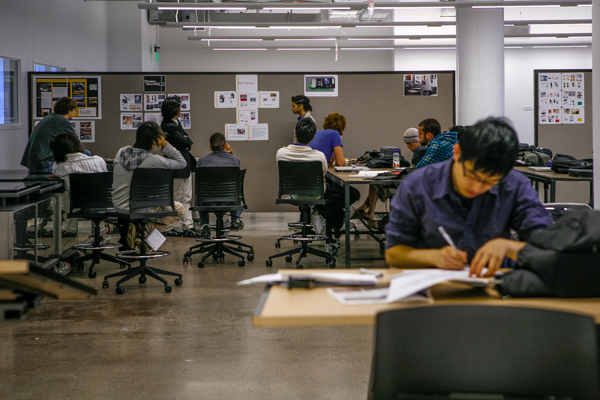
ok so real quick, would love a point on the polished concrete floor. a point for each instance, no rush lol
(196, 342)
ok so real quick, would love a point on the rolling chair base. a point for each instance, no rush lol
(143, 270)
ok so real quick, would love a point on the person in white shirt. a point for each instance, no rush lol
(70, 159)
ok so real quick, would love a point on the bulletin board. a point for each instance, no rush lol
(376, 110)
(573, 101)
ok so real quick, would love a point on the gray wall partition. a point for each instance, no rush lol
(376, 110)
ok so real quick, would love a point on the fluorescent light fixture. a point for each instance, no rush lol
(513, 47)
(584, 5)
(307, 49)
(556, 47)
(366, 48)
(225, 49)
(218, 27)
(373, 26)
(241, 9)
(540, 6)
(371, 39)
(336, 8)
(231, 40)
(304, 40)
(509, 25)
(430, 48)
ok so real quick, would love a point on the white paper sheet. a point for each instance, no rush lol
(226, 99)
(247, 83)
(258, 132)
(268, 99)
(236, 132)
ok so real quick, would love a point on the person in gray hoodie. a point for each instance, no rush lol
(128, 158)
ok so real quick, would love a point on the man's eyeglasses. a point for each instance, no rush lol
(472, 176)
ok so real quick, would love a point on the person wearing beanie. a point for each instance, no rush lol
(413, 143)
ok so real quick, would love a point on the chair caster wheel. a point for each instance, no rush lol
(299, 266)
(215, 257)
(250, 257)
(80, 266)
(142, 279)
(288, 258)
(168, 288)
(185, 260)
(240, 248)
(178, 282)
(277, 244)
(92, 274)
(104, 284)
(269, 263)
(63, 268)
(241, 263)
(187, 255)
(200, 264)
(332, 264)
(122, 266)
(120, 290)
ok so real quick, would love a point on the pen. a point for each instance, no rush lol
(368, 271)
(446, 237)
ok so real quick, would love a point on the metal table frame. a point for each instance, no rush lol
(549, 180)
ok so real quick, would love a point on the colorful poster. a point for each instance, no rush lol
(572, 98)
(226, 99)
(247, 116)
(550, 97)
(246, 83)
(236, 132)
(572, 80)
(550, 115)
(247, 100)
(131, 102)
(268, 99)
(85, 130)
(185, 101)
(186, 120)
(549, 81)
(153, 117)
(152, 102)
(321, 85)
(573, 115)
(258, 132)
(85, 90)
(130, 121)
(420, 85)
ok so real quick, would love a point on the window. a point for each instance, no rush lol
(47, 68)
(9, 91)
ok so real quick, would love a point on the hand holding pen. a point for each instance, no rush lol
(450, 257)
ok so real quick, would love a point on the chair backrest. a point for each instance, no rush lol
(484, 349)
(301, 178)
(557, 210)
(242, 198)
(91, 190)
(151, 187)
(217, 185)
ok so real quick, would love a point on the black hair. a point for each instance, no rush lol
(492, 144)
(170, 107)
(217, 141)
(305, 130)
(64, 144)
(303, 101)
(146, 135)
(64, 105)
(459, 129)
(431, 125)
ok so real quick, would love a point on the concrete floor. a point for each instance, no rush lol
(196, 342)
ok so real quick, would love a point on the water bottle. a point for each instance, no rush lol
(396, 159)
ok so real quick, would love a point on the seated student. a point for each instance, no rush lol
(329, 142)
(221, 156)
(69, 159)
(439, 145)
(413, 143)
(301, 151)
(476, 196)
(128, 158)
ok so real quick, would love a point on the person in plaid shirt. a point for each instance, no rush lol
(440, 146)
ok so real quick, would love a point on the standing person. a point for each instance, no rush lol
(439, 145)
(182, 185)
(329, 142)
(221, 156)
(69, 159)
(38, 156)
(302, 108)
(476, 196)
(128, 158)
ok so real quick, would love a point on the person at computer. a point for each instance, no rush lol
(221, 156)
(475, 196)
(69, 159)
(329, 142)
(128, 158)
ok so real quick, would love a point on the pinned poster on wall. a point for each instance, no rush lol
(246, 83)
(130, 121)
(85, 130)
(572, 98)
(85, 90)
(258, 132)
(248, 99)
(321, 85)
(131, 102)
(549, 81)
(186, 120)
(185, 101)
(153, 117)
(226, 99)
(268, 99)
(573, 115)
(420, 85)
(550, 115)
(247, 116)
(236, 132)
(550, 98)
(561, 98)
(153, 102)
(572, 80)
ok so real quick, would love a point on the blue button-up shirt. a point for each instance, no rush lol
(426, 199)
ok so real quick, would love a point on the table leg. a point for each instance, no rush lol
(592, 193)
(347, 222)
(57, 224)
(546, 193)
(552, 192)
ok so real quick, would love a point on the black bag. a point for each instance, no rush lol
(561, 261)
(375, 159)
(562, 163)
(581, 173)
(535, 156)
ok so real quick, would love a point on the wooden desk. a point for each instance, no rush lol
(342, 179)
(280, 306)
(549, 180)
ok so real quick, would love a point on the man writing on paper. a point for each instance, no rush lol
(476, 196)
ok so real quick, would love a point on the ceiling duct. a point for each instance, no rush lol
(516, 30)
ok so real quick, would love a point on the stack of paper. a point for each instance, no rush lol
(324, 279)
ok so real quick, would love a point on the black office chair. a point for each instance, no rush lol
(219, 190)
(149, 188)
(440, 351)
(557, 210)
(302, 180)
(91, 199)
